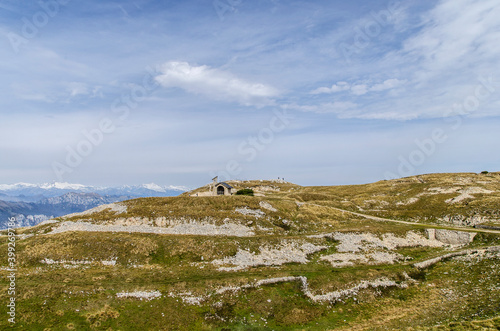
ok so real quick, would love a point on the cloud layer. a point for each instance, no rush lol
(360, 88)
(224, 79)
(214, 83)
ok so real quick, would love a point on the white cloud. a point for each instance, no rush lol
(443, 58)
(360, 88)
(76, 89)
(97, 92)
(337, 107)
(457, 34)
(339, 87)
(387, 85)
(214, 83)
(304, 108)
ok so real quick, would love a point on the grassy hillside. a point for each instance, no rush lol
(289, 258)
(459, 199)
(463, 199)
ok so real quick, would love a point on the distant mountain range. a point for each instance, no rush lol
(28, 191)
(34, 203)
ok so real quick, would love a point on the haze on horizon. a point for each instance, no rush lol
(316, 92)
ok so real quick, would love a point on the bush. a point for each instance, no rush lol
(245, 191)
(484, 172)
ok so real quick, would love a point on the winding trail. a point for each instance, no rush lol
(382, 219)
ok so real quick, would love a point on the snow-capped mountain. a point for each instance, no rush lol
(32, 213)
(32, 203)
(16, 192)
(46, 186)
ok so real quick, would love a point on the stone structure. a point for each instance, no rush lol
(222, 189)
(214, 189)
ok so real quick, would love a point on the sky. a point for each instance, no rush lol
(315, 92)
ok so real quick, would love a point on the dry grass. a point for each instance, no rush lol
(454, 294)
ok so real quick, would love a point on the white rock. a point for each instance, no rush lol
(267, 205)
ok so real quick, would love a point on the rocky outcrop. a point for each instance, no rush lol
(146, 295)
(462, 220)
(118, 208)
(287, 252)
(191, 228)
(366, 248)
(333, 296)
(250, 212)
(430, 262)
(466, 193)
(267, 205)
(451, 237)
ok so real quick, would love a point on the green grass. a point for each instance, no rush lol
(45, 299)
(388, 198)
(451, 295)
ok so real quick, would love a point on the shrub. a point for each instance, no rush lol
(484, 172)
(245, 191)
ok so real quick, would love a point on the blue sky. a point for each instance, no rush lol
(317, 92)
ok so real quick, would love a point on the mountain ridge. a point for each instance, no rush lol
(56, 188)
(31, 204)
(377, 256)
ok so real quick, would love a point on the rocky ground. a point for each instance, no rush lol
(290, 258)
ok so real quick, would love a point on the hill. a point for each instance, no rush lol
(395, 254)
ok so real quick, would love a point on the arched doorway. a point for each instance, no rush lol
(220, 190)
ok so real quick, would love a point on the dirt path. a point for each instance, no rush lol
(381, 219)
